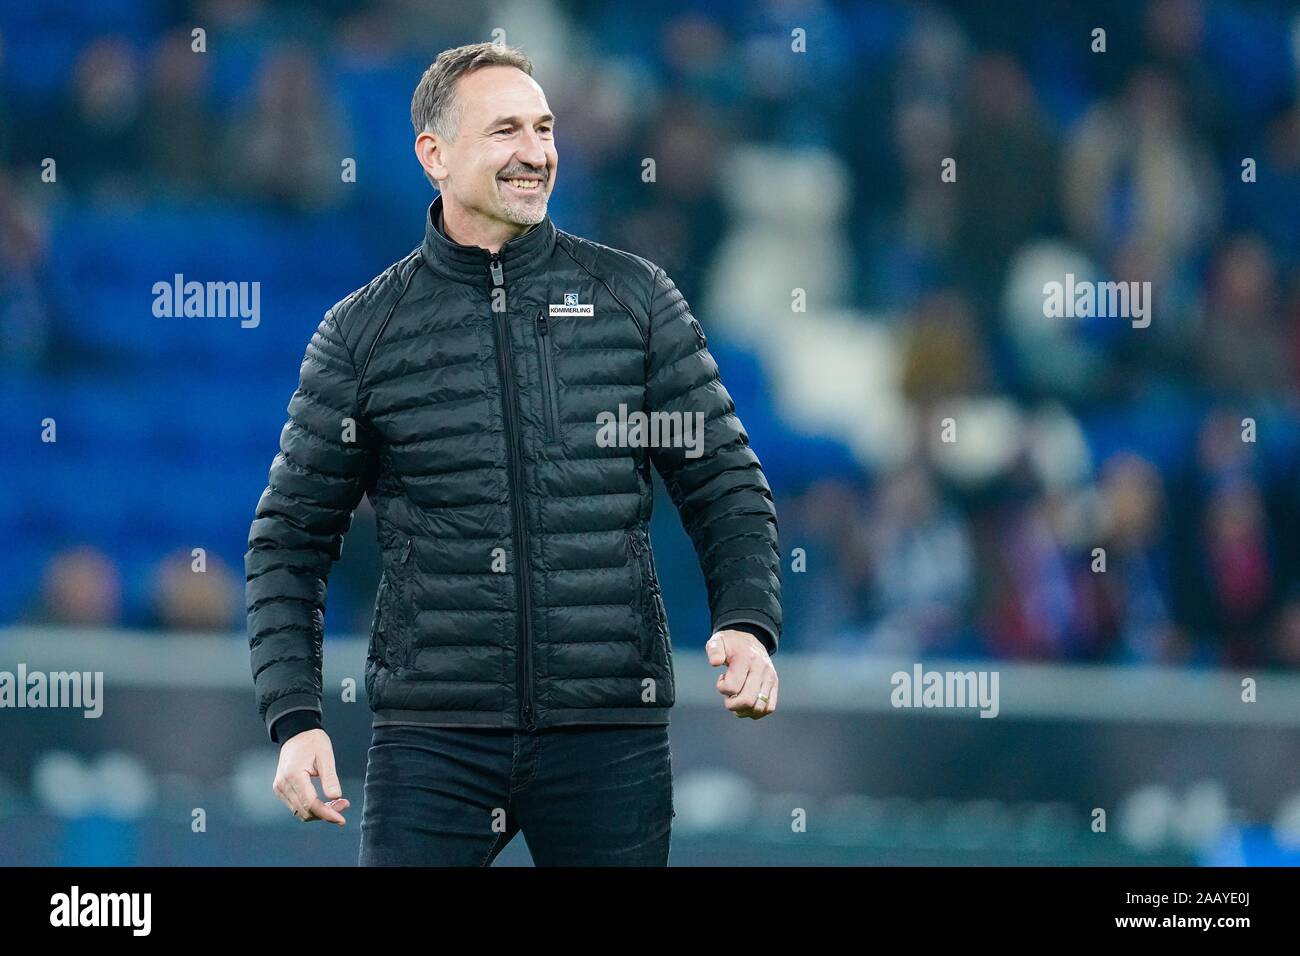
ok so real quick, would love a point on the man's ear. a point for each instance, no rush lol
(428, 150)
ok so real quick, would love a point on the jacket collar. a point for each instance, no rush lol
(470, 264)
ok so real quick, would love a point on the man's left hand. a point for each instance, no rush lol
(749, 683)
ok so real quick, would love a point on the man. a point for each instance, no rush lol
(520, 667)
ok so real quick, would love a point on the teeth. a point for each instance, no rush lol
(524, 183)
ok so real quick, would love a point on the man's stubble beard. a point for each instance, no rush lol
(524, 213)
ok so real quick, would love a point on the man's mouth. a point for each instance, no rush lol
(523, 185)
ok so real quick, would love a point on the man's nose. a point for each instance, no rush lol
(531, 151)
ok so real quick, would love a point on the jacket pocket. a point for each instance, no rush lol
(649, 605)
(550, 391)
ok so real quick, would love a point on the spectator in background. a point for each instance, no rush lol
(1286, 634)
(1031, 608)
(289, 147)
(1134, 169)
(8, 132)
(186, 599)
(943, 355)
(1237, 573)
(178, 128)
(105, 121)
(1135, 591)
(922, 565)
(681, 214)
(1006, 147)
(81, 587)
(914, 242)
(27, 298)
(1159, 354)
(1244, 345)
(1237, 509)
(1291, 317)
(916, 228)
(1267, 206)
(827, 599)
(1174, 41)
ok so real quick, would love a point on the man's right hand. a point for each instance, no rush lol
(303, 756)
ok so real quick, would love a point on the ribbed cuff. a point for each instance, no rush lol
(290, 704)
(294, 723)
(760, 631)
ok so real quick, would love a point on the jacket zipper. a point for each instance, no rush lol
(645, 592)
(641, 584)
(506, 368)
(552, 405)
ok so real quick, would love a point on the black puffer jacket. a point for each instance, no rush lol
(518, 587)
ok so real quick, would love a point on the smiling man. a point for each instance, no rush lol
(520, 666)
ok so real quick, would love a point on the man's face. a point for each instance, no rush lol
(501, 165)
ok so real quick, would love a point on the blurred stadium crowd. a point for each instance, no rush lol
(776, 173)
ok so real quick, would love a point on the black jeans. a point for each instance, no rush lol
(582, 796)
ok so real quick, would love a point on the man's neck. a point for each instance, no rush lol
(460, 227)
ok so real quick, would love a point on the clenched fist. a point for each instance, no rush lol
(749, 683)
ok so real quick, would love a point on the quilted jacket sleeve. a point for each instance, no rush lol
(721, 494)
(316, 481)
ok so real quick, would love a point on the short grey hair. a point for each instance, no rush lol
(433, 107)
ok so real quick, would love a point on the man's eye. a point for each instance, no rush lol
(500, 131)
